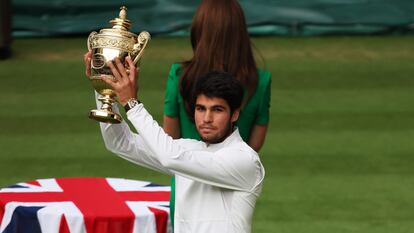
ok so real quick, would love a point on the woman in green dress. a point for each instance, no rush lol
(220, 42)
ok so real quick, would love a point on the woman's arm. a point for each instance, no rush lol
(259, 129)
(257, 137)
(171, 126)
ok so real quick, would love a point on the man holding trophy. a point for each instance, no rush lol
(218, 179)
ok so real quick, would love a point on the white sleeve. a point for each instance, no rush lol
(232, 168)
(120, 140)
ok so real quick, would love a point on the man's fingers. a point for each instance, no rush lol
(108, 80)
(130, 62)
(133, 71)
(120, 67)
(88, 67)
(86, 55)
(134, 78)
(114, 70)
(87, 60)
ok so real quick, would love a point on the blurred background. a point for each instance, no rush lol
(339, 149)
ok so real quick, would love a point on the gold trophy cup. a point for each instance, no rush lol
(105, 46)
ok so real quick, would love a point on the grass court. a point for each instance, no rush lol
(340, 145)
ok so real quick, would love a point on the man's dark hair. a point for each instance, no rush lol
(219, 84)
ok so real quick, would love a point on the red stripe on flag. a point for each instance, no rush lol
(64, 227)
(161, 219)
(102, 207)
(34, 182)
(1, 212)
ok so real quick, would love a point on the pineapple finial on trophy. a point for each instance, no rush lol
(121, 22)
(122, 13)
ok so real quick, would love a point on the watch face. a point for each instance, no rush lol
(132, 103)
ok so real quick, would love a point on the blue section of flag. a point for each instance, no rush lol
(24, 219)
(153, 185)
(16, 186)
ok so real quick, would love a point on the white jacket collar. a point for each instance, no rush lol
(235, 136)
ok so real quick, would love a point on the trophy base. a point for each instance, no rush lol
(105, 116)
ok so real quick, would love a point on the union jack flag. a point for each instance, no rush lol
(85, 205)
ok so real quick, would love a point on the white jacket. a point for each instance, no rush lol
(216, 185)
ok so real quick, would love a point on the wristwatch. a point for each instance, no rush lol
(131, 103)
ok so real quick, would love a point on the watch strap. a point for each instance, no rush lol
(131, 103)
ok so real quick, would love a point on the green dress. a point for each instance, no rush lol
(255, 112)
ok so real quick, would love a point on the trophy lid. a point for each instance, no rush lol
(121, 23)
(120, 26)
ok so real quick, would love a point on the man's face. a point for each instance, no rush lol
(213, 118)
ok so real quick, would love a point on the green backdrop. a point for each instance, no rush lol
(173, 17)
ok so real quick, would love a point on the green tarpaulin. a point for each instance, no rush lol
(173, 17)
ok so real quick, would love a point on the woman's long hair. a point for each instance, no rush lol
(220, 42)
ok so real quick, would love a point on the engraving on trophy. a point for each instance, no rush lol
(98, 61)
(105, 46)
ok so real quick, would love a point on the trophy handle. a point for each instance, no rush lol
(143, 39)
(90, 38)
